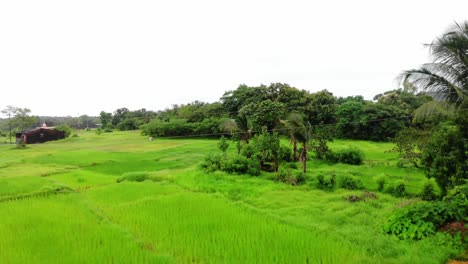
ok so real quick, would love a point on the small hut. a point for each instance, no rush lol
(40, 135)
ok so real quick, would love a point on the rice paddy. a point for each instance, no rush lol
(66, 202)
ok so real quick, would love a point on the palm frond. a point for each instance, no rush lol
(432, 108)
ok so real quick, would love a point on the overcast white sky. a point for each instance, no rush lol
(80, 57)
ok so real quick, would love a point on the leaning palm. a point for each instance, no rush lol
(446, 78)
(299, 131)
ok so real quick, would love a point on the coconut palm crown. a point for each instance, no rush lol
(446, 77)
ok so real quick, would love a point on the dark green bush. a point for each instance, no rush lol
(137, 176)
(352, 156)
(400, 189)
(380, 184)
(326, 182)
(457, 202)
(428, 192)
(293, 177)
(248, 151)
(351, 183)
(235, 164)
(416, 221)
(423, 219)
(291, 165)
(285, 154)
(212, 162)
(65, 129)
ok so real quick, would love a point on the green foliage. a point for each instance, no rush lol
(423, 219)
(409, 143)
(285, 154)
(457, 202)
(137, 176)
(236, 164)
(361, 119)
(326, 182)
(66, 129)
(290, 176)
(380, 183)
(351, 183)
(428, 192)
(417, 221)
(399, 189)
(233, 164)
(267, 148)
(445, 158)
(353, 156)
(223, 144)
(248, 151)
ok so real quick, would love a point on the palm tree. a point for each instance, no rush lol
(446, 78)
(299, 131)
(238, 126)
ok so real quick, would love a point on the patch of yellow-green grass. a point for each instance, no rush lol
(63, 229)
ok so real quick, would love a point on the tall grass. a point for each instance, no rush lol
(186, 216)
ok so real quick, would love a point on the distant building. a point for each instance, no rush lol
(40, 135)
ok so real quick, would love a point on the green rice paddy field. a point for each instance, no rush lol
(61, 202)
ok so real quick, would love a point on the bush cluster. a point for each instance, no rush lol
(351, 183)
(234, 164)
(423, 219)
(137, 176)
(353, 156)
(293, 177)
(326, 182)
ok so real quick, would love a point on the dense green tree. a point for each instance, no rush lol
(23, 120)
(119, 115)
(267, 149)
(266, 113)
(9, 111)
(106, 119)
(446, 158)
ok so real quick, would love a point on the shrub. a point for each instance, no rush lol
(428, 193)
(292, 165)
(248, 151)
(223, 144)
(380, 184)
(331, 156)
(423, 219)
(326, 182)
(457, 202)
(352, 156)
(65, 129)
(99, 131)
(285, 154)
(231, 164)
(351, 183)
(416, 222)
(212, 162)
(137, 176)
(108, 130)
(290, 176)
(400, 189)
(240, 165)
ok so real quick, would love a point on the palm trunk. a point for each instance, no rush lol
(294, 150)
(304, 158)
